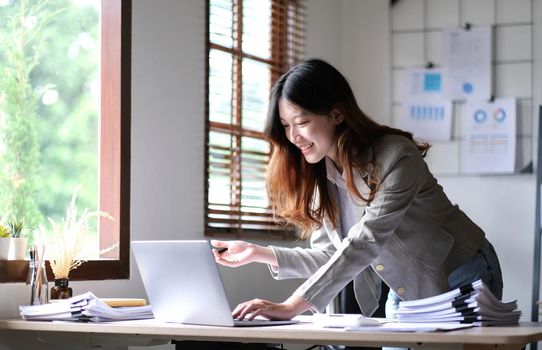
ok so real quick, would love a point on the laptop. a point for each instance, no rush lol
(183, 284)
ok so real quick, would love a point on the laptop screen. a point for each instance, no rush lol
(182, 282)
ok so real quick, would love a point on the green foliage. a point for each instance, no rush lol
(47, 148)
(15, 227)
(20, 43)
(69, 141)
(4, 232)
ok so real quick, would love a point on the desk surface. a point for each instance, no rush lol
(512, 337)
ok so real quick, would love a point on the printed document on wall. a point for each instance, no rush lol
(466, 63)
(424, 112)
(489, 144)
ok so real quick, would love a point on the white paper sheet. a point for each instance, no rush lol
(466, 63)
(411, 327)
(344, 320)
(424, 112)
(489, 144)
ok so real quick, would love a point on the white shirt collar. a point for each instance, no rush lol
(333, 174)
(339, 179)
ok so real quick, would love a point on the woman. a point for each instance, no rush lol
(363, 194)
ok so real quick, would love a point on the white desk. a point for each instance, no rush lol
(149, 331)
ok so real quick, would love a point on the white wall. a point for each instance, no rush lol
(168, 132)
(365, 54)
(324, 27)
(352, 35)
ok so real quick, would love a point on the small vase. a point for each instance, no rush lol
(61, 290)
(17, 250)
(5, 243)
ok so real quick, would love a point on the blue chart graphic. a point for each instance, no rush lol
(480, 116)
(499, 115)
(424, 112)
(467, 88)
(432, 82)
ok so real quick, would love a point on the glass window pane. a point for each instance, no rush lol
(220, 87)
(251, 144)
(49, 133)
(221, 22)
(256, 78)
(236, 196)
(254, 159)
(257, 28)
(219, 167)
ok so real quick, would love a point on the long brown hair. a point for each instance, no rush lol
(298, 190)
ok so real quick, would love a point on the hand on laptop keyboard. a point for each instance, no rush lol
(286, 310)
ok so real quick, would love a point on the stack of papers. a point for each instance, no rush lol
(84, 307)
(471, 304)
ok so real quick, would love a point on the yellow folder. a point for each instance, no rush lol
(118, 302)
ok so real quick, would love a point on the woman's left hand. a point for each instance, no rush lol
(286, 310)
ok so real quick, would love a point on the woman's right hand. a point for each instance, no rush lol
(240, 253)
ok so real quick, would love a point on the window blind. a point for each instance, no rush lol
(250, 43)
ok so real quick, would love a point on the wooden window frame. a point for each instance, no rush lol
(115, 126)
(287, 26)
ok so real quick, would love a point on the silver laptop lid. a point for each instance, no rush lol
(182, 282)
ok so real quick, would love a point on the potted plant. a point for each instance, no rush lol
(18, 243)
(5, 242)
(67, 245)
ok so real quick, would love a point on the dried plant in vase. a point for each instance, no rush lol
(67, 242)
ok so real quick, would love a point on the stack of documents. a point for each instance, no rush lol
(84, 307)
(472, 304)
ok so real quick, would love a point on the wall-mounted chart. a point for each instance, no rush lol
(476, 50)
(489, 145)
(466, 63)
(425, 113)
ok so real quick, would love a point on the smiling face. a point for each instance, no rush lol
(315, 135)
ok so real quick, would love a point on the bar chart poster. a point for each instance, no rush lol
(424, 112)
(489, 131)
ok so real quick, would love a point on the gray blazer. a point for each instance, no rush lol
(410, 236)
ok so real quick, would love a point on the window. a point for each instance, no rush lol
(250, 44)
(111, 124)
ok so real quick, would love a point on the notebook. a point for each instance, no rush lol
(183, 284)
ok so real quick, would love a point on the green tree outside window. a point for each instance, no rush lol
(49, 106)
